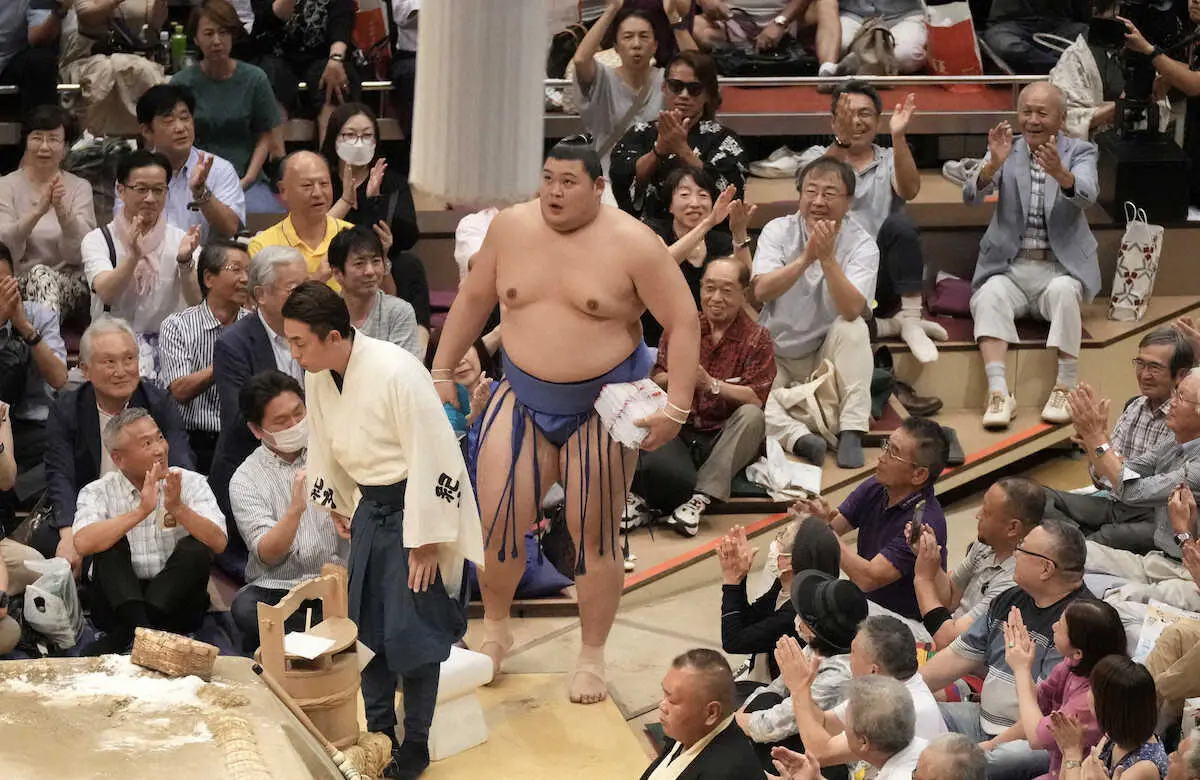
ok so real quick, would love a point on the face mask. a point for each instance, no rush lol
(771, 567)
(356, 152)
(291, 439)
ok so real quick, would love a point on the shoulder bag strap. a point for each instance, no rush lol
(622, 127)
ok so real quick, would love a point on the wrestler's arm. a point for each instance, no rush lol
(474, 303)
(661, 286)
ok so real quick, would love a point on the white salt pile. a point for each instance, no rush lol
(120, 679)
(152, 737)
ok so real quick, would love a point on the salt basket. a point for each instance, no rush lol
(172, 654)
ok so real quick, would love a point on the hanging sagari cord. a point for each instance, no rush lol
(480, 99)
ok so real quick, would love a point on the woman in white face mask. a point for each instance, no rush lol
(371, 193)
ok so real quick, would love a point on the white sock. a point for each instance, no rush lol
(996, 377)
(1066, 371)
(910, 307)
(827, 69)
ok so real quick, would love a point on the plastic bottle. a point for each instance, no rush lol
(164, 50)
(178, 49)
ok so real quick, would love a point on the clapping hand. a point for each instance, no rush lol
(797, 670)
(172, 489)
(198, 182)
(795, 766)
(740, 214)
(816, 507)
(1181, 509)
(735, 555)
(1050, 160)
(149, 492)
(1093, 768)
(672, 134)
(903, 114)
(722, 206)
(384, 232)
(1089, 414)
(349, 191)
(188, 246)
(58, 196)
(1019, 649)
(10, 300)
(820, 246)
(1068, 733)
(375, 179)
(1000, 143)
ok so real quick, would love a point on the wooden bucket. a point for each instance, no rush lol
(326, 688)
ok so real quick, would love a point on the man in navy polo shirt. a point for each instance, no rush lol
(882, 563)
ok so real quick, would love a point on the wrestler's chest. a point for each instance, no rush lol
(595, 283)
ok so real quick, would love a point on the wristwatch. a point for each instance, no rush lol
(715, 387)
(1102, 449)
(781, 20)
(33, 340)
(1183, 538)
(337, 57)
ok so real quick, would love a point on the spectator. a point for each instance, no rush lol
(815, 273)
(405, 19)
(687, 133)
(187, 340)
(356, 256)
(309, 41)
(904, 19)
(1124, 700)
(308, 193)
(612, 99)
(28, 58)
(236, 117)
(289, 539)
(139, 266)
(203, 189)
(882, 507)
(250, 346)
(1087, 632)
(76, 454)
(44, 214)
(28, 331)
(368, 194)
(777, 21)
(756, 628)
(1184, 763)
(951, 603)
(1132, 515)
(151, 532)
(883, 646)
(1164, 359)
(697, 208)
(696, 714)
(1048, 576)
(14, 575)
(1038, 257)
(880, 728)
(951, 757)
(1013, 24)
(1173, 662)
(828, 613)
(884, 179)
(725, 430)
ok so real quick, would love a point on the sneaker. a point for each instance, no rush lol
(780, 164)
(1000, 411)
(686, 517)
(630, 562)
(1056, 411)
(637, 513)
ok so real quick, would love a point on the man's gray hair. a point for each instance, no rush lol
(111, 435)
(105, 323)
(881, 709)
(959, 757)
(892, 645)
(1058, 93)
(264, 266)
(1070, 548)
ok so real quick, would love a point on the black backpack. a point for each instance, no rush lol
(15, 357)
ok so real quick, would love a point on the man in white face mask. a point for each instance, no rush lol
(288, 540)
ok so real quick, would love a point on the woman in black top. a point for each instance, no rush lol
(687, 230)
(366, 192)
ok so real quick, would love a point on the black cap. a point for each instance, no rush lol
(831, 607)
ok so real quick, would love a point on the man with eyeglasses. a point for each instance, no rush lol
(815, 273)
(140, 267)
(1048, 573)
(725, 431)
(1132, 514)
(75, 451)
(187, 340)
(882, 562)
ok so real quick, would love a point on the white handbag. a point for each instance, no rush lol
(1137, 266)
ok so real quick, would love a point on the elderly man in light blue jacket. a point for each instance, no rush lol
(1038, 257)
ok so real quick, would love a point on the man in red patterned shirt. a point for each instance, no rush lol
(726, 429)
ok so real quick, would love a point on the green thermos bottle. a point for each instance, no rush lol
(178, 49)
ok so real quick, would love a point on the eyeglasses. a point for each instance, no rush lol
(238, 270)
(142, 191)
(350, 137)
(1179, 399)
(813, 193)
(892, 451)
(693, 88)
(38, 139)
(1021, 549)
(1153, 369)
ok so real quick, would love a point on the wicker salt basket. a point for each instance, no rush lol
(172, 654)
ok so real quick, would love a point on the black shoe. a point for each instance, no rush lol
(409, 761)
(917, 405)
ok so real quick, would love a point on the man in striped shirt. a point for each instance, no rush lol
(288, 539)
(1163, 361)
(187, 338)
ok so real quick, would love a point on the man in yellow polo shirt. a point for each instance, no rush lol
(307, 191)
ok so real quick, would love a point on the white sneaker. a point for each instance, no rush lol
(637, 513)
(1056, 411)
(780, 164)
(1000, 411)
(686, 517)
(630, 562)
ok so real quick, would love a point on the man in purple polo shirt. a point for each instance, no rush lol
(882, 563)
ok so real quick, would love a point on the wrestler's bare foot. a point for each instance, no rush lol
(496, 642)
(586, 684)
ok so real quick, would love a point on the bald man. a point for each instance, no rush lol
(1038, 257)
(307, 191)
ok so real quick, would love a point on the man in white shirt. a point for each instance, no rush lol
(151, 531)
(815, 273)
(884, 646)
(204, 189)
